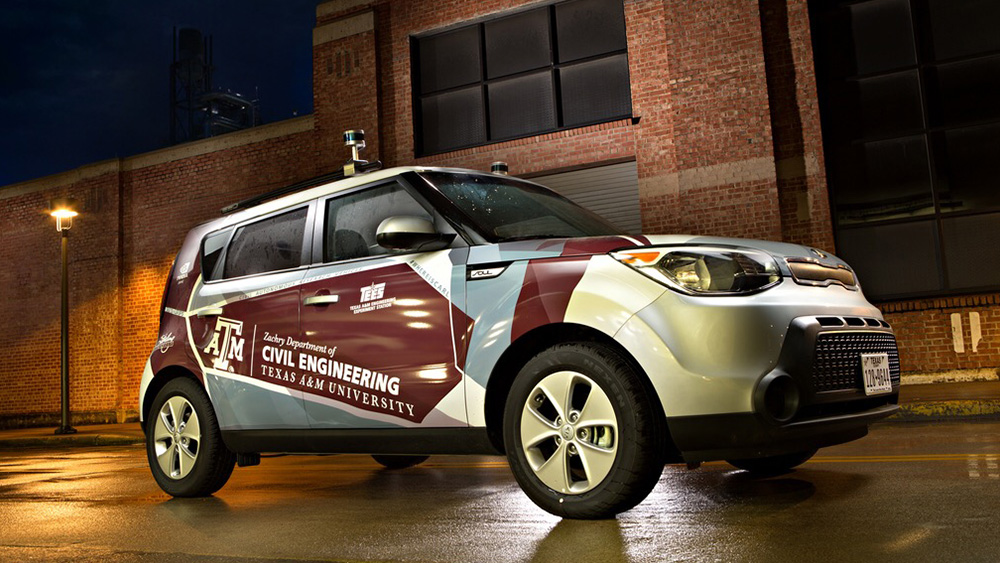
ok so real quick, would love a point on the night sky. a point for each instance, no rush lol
(84, 81)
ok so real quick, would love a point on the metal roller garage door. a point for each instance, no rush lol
(610, 191)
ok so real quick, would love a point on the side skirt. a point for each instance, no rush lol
(404, 441)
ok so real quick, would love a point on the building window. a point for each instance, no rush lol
(549, 68)
(911, 130)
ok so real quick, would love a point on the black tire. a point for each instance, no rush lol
(772, 465)
(639, 440)
(213, 462)
(399, 461)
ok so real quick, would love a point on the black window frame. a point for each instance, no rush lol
(553, 68)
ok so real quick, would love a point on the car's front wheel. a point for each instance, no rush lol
(183, 443)
(582, 434)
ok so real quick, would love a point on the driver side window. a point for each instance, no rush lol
(351, 220)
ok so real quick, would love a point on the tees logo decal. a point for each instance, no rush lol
(373, 299)
(372, 292)
(226, 343)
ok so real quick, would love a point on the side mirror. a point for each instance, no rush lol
(413, 234)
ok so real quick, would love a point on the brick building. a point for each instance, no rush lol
(721, 117)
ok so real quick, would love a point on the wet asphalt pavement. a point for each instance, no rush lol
(908, 492)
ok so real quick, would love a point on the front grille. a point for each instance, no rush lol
(837, 365)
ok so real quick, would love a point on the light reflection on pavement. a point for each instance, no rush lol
(908, 492)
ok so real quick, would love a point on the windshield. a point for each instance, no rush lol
(508, 209)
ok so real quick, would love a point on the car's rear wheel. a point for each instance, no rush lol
(183, 443)
(582, 435)
(772, 464)
(399, 461)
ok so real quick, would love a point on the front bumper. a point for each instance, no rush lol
(746, 435)
(820, 369)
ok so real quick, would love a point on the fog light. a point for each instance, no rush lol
(777, 397)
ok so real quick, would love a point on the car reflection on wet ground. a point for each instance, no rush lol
(908, 492)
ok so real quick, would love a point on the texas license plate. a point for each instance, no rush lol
(875, 370)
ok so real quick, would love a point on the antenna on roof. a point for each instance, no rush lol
(355, 138)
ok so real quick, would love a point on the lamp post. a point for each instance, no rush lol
(64, 209)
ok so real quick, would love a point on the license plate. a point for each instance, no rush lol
(875, 370)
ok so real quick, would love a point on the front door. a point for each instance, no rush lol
(377, 344)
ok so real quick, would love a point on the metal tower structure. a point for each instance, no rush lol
(196, 111)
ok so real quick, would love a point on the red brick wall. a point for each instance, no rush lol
(924, 329)
(30, 273)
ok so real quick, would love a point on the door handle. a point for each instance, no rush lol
(321, 300)
(213, 312)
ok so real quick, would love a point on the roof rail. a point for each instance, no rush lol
(305, 184)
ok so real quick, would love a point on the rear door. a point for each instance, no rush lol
(248, 299)
(377, 347)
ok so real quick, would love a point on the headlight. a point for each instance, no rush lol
(705, 270)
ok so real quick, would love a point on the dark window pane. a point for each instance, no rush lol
(268, 245)
(972, 251)
(518, 43)
(585, 28)
(522, 105)
(883, 180)
(876, 107)
(211, 251)
(890, 104)
(595, 91)
(964, 27)
(449, 59)
(966, 162)
(964, 92)
(452, 120)
(351, 220)
(883, 35)
(893, 260)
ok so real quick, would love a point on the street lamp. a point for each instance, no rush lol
(64, 209)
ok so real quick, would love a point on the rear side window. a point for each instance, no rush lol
(268, 245)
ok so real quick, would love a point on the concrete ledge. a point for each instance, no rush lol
(161, 156)
(947, 410)
(333, 7)
(346, 27)
(87, 436)
(222, 142)
(951, 376)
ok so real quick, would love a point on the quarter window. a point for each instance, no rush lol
(211, 251)
(535, 71)
(268, 245)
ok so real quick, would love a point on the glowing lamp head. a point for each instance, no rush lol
(64, 209)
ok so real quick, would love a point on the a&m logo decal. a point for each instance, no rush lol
(226, 343)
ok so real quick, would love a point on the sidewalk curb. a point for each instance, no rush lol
(947, 410)
(70, 441)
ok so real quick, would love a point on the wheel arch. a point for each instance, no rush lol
(162, 377)
(533, 342)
